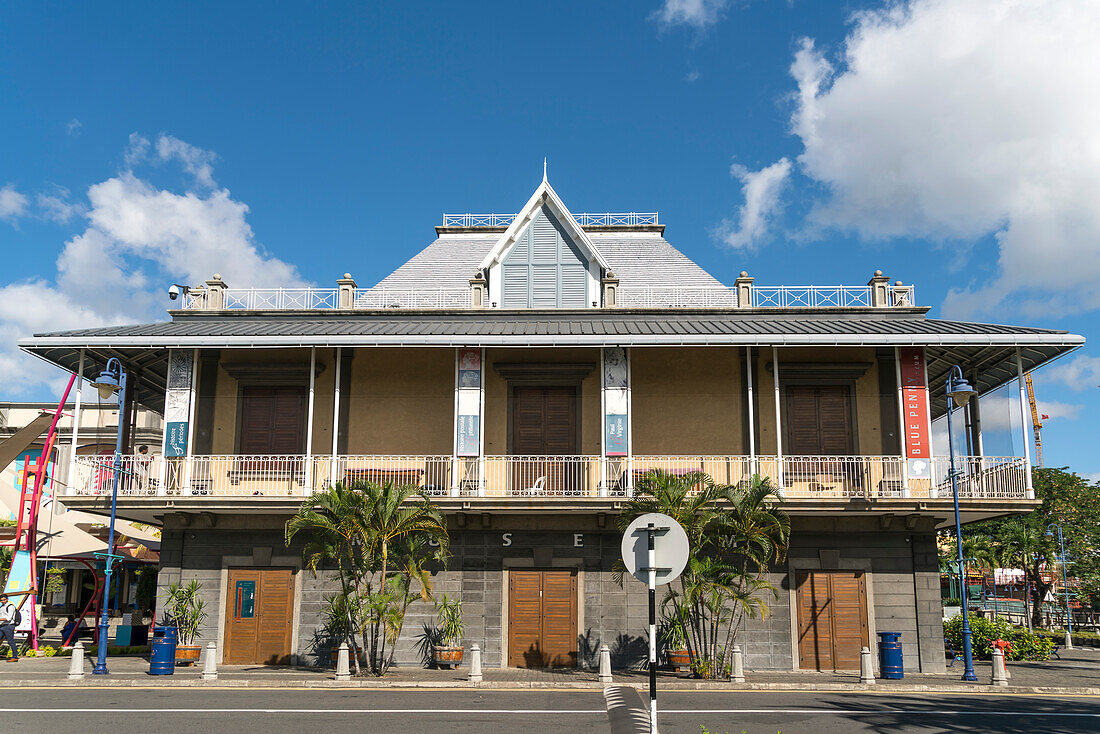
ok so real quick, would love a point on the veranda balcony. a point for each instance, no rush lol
(796, 477)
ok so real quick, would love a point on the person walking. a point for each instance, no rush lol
(8, 619)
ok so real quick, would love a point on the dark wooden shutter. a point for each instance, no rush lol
(819, 421)
(544, 420)
(273, 420)
(544, 423)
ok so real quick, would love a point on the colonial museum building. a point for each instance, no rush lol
(525, 370)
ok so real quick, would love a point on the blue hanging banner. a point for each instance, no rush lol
(175, 443)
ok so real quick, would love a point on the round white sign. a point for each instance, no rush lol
(670, 545)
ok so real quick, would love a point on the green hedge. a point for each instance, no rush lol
(1025, 645)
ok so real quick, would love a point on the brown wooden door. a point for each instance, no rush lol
(544, 423)
(542, 619)
(273, 420)
(832, 619)
(259, 612)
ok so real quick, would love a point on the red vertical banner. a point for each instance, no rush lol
(914, 403)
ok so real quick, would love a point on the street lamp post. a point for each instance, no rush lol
(1065, 585)
(959, 392)
(111, 382)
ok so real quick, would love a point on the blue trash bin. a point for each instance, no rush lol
(889, 656)
(162, 651)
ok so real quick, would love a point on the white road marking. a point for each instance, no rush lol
(204, 710)
(527, 712)
(934, 712)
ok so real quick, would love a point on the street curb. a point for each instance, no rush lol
(715, 687)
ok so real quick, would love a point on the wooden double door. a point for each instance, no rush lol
(542, 619)
(259, 614)
(832, 619)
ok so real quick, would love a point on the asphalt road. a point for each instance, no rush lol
(310, 711)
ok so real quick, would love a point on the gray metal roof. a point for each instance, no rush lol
(559, 326)
(640, 261)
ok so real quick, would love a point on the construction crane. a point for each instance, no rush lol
(1037, 425)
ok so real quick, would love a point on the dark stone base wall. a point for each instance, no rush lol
(903, 582)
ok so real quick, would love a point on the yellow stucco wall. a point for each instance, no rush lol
(496, 396)
(401, 402)
(687, 401)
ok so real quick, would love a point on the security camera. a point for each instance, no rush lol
(173, 291)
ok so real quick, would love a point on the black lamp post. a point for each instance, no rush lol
(111, 382)
(959, 392)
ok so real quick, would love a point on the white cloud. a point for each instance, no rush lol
(698, 14)
(12, 203)
(1090, 477)
(56, 207)
(1079, 374)
(959, 119)
(138, 239)
(33, 306)
(761, 190)
(73, 128)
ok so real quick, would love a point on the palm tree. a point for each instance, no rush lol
(734, 535)
(357, 527)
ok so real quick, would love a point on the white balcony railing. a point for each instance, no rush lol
(584, 219)
(672, 297)
(811, 296)
(426, 298)
(799, 478)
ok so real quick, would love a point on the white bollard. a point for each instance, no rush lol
(999, 677)
(737, 675)
(1069, 640)
(605, 664)
(343, 663)
(474, 676)
(866, 669)
(76, 664)
(210, 664)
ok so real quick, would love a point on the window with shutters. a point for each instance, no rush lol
(819, 421)
(273, 420)
(545, 268)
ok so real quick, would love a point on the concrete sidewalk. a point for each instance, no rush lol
(1077, 673)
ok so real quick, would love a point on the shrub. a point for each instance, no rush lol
(1025, 645)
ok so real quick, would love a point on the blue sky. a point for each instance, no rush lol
(805, 142)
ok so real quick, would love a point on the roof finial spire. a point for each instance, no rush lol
(544, 169)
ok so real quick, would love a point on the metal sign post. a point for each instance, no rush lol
(665, 554)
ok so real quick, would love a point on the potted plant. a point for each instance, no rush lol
(448, 653)
(676, 647)
(342, 622)
(187, 612)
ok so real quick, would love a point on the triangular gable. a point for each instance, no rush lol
(544, 194)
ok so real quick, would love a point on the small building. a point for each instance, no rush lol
(525, 370)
